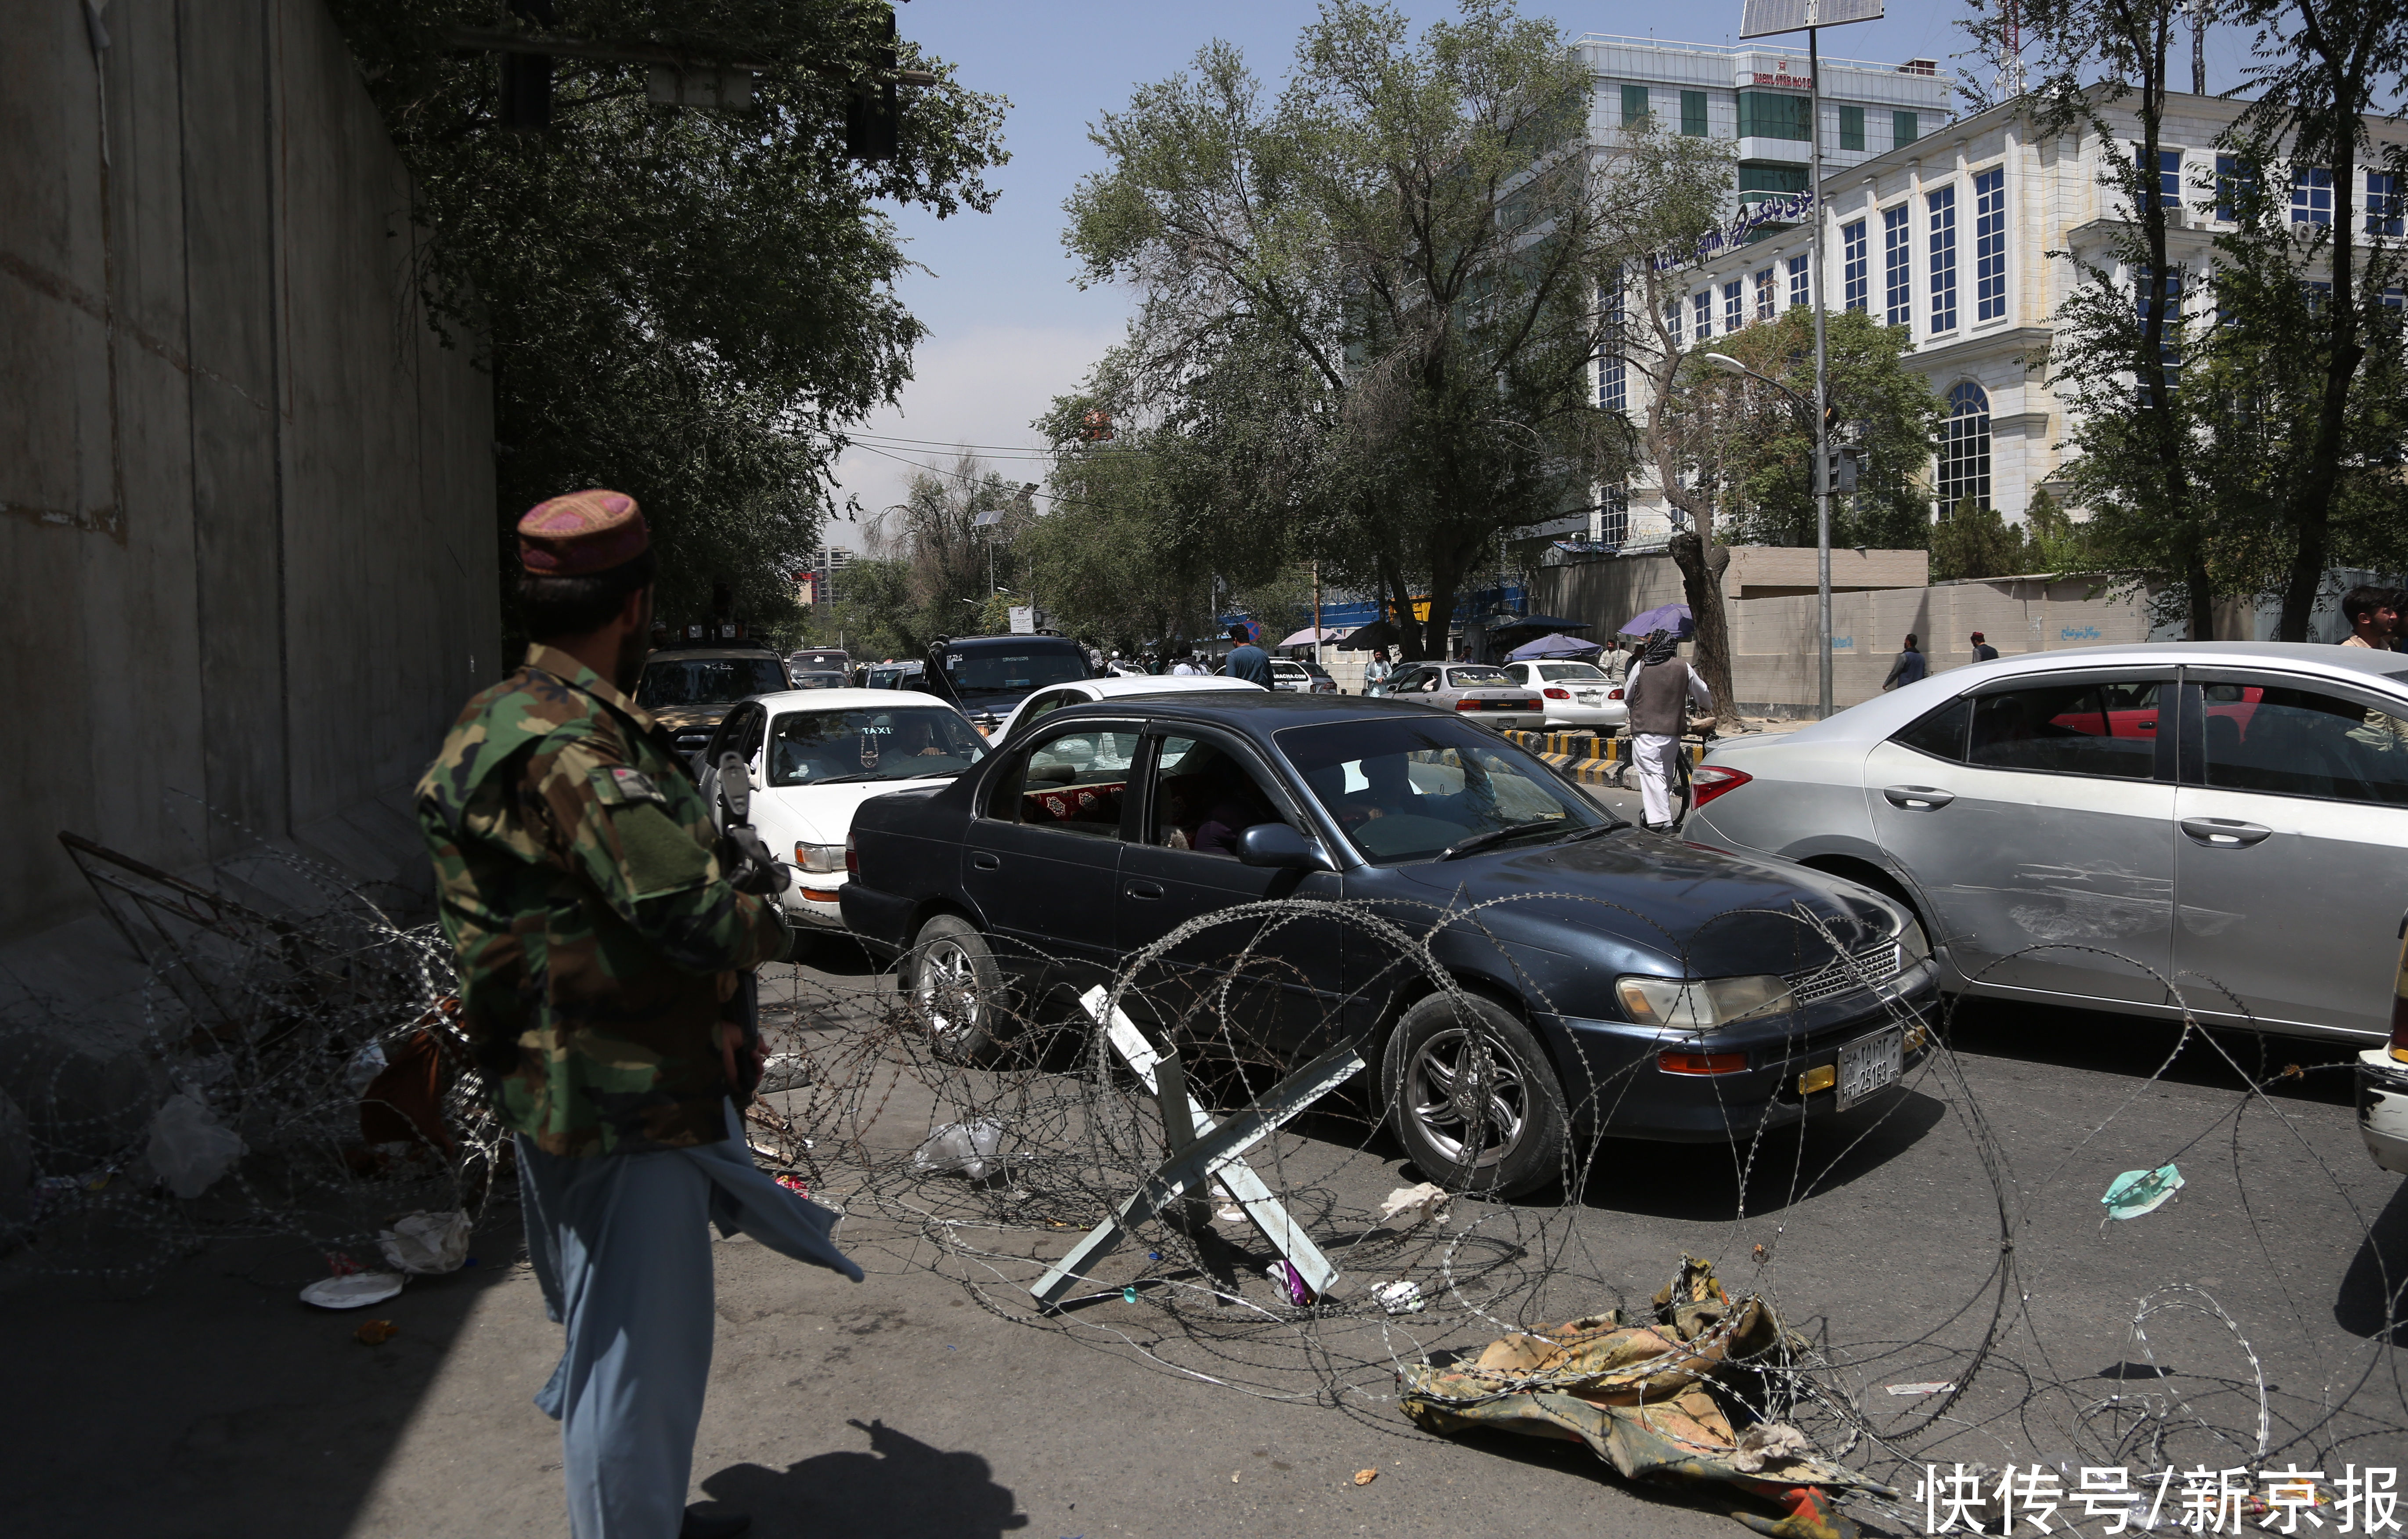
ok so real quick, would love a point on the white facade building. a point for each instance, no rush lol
(1951, 237)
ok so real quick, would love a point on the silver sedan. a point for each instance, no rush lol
(1478, 692)
(2133, 828)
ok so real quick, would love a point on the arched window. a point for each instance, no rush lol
(1965, 449)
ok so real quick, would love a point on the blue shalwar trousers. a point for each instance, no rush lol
(621, 1244)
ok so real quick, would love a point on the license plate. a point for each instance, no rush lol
(1869, 1064)
(1588, 698)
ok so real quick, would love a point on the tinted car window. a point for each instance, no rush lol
(1204, 796)
(1074, 778)
(1942, 733)
(1010, 667)
(1477, 677)
(707, 680)
(2305, 742)
(823, 747)
(1407, 790)
(1570, 670)
(2070, 728)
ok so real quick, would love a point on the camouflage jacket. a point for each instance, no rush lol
(594, 933)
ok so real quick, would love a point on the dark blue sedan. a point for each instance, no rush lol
(1606, 981)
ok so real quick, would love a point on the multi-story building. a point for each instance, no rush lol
(1961, 236)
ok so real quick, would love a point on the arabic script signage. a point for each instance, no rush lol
(1788, 209)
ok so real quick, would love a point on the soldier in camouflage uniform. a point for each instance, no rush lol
(598, 941)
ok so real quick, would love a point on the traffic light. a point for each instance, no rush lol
(869, 113)
(1846, 464)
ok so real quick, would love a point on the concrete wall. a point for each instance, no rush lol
(245, 497)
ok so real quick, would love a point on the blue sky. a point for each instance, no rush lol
(1008, 329)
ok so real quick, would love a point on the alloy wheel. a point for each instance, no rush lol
(1468, 1097)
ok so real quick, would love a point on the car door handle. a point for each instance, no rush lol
(1148, 890)
(2223, 833)
(984, 861)
(1918, 799)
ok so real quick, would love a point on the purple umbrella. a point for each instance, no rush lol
(1552, 646)
(1672, 617)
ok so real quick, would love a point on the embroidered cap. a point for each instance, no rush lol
(582, 534)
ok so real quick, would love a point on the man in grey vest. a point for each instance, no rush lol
(1660, 690)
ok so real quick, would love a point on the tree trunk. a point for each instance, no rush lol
(2202, 599)
(1702, 579)
(2313, 518)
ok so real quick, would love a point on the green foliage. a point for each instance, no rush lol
(1369, 308)
(686, 306)
(1975, 542)
(1106, 560)
(872, 615)
(957, 579)
(1768, 462)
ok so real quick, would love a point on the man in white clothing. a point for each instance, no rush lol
(1660, 688)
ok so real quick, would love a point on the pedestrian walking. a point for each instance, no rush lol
(1376, 671)
(1184, 666)
(1983, 651)
(1907, 668)
(1614, 661)
(1660, 689)
(604, 953)
(1246, 660)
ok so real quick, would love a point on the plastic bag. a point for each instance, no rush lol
(189, 1147)
(366, 1065)
(959, 1148)
(426, 1243)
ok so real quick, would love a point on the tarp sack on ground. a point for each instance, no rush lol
(1638, 1396)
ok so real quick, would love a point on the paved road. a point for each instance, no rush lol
(910, 1405)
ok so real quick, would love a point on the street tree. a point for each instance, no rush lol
(1104, 559)
(689, 306)
(1369, 302)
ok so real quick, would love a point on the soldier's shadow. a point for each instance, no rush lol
(902, 1488)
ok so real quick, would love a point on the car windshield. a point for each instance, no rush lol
(707, 680)
(819, 680)
(1011, 670)
(1408, 790)
(820, 747)
(1478, 676)
(1552, 671)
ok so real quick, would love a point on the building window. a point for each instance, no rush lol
(1856, 266)
(2311, 195)
(2170, 187)
(2234, 183)
(1771, 115)
(2383, 210)
(1692, 114)
(1991, 244)
(1903, 130)
(1799, 291)
(1851, 128)
(1941, 205)
(1761, 179)
(1634, 105)
(1613, 370)
(1613, 519)
(1898, 262)
(1614, 384)
(1672, 326)
(2170, 340)
(1734, 306)
(1701, 310)
(1965, 449)
(1767, 305)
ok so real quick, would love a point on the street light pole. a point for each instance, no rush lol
(1822, 377)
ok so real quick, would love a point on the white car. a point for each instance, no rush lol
(1579, 696)
(814, 756)
(1109, 687)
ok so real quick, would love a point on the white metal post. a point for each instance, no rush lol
(1822, 378)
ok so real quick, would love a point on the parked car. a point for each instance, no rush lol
(891, 675)
(1577, 696)
(689, 688)
(2093, 826)
(818, 681)
(2383, 1080)
(816, 755)
(818, 660)
(1634, 983)
(986, 676)
(1046, 700)
(1301, 676)
(1481, 690)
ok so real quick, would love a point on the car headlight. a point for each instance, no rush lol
(1682, 1005)
(820, 858)
(1913, 946)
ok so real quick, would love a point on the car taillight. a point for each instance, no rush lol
(1559, 694)
(1710, 781)
(2400, 1020)
(1613, 695)
(1470, 705)
(1700, 1063)
(851, 856)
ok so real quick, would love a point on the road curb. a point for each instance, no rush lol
(1583, 755)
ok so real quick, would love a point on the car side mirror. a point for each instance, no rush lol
(1279, 845)
(736, 786)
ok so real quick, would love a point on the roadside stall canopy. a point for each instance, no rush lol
(1308, 636)
(1672, 617)
(1553, 646)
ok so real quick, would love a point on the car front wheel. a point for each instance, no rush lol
(1472, 1097)
(956, 990)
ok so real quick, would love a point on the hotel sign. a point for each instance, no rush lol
(1784, 79)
